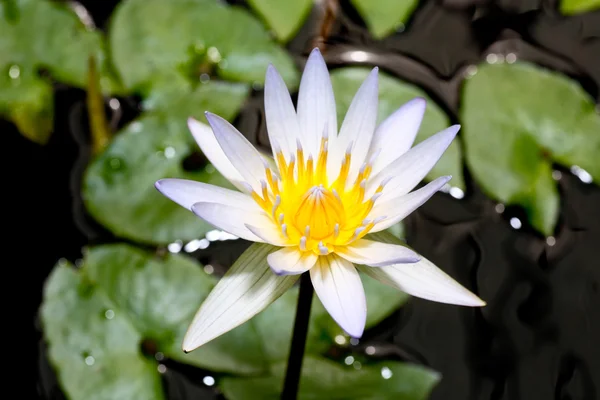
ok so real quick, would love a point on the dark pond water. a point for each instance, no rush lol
(539, 336)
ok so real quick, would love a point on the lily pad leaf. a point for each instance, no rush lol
(570, 7)
(284, 17)
(123, 297)
(25, 96)
(94, 349)
(118, 188)
(150, 39)
(325, 379)
(518, 119)
(392, 94)
(383, 17)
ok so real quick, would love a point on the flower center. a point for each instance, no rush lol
(311, 211)
(319, 213)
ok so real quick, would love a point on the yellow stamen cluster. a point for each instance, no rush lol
(311, 212)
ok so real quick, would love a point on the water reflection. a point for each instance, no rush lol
(196, 244)
(175, 247)
(14, 72)
(208, 380)
(581, 173)
(516, 223)
(386, 373)
(340, 339)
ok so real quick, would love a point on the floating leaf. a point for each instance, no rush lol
(325, 379)
(25, 96)
(284, 17)
(392, 94)
(518, 120)
(119, 184)
(155, 38)
(121, 298)
(96, 358)
(385, 16)
(570, 7)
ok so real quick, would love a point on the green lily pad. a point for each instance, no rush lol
(118, 188)
(94, 349)
(99, 316)
(518, 119)
(392, 94)
(325, 379)
(150, 39)
(385, 16)
(570, 7)
(284, 17)
(26, 98)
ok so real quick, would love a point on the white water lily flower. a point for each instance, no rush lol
(311, 210)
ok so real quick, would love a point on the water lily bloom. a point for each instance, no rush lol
(311, 206)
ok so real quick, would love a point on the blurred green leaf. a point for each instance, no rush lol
(284, 17)
(33, 34)
(123, 297)
(119, 184)
(96, 358)
(517, 120)
(325, 379)
(392, 94)
(385, 16)
(570, 7)
(154, 39)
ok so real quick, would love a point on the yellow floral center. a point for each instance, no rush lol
(311, 212)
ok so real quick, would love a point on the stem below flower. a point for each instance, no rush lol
(294, 365)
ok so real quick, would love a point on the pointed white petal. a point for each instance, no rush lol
(244, 157)
(186, 193)
(396, 134)
(410, 168)
(358, 128)
(209, 145)
(269, 233)
(377, 254)
(316, 104)
(340, 289)
(423, 279)
(396, 209)
(247, 288)
(232, 219)
(282, 123)
(291, 261)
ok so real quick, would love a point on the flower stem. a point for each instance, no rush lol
(294, 365)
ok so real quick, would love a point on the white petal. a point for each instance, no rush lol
(209, 145)
(282, 123)
(291, 261)
(186, 193)
(316, 104)
(246, 289)
(395, 210)
(244, 157)
(410, 168)
(423, 279)
(358, 128)
(396, 134)
(269, 233)
(340, 289)
(232, 219)
(377, 254)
